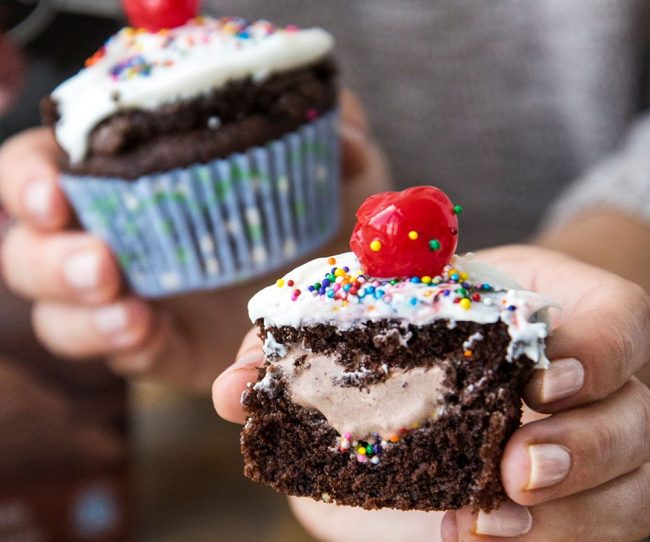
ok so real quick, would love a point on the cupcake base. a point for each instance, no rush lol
(216, 224)
(449, 461)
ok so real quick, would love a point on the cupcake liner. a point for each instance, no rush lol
(215, 224)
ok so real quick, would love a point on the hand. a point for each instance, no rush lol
(80, 306)
(582, 473)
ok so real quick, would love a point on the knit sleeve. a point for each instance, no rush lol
(620, 181)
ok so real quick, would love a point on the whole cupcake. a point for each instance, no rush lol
(203, 154)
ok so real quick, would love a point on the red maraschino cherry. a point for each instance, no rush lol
(406, 234)
(154, 15)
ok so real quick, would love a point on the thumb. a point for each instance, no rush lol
(228, 387)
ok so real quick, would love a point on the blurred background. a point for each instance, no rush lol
(83, 455)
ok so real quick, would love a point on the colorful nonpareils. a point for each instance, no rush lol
(154, 47)
(343, 285)
(364, 451)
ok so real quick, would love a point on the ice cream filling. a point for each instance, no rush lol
(402, 401)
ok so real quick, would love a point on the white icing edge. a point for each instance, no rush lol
(528, 326)
(85, 99)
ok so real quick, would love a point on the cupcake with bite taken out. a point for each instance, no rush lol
(203, 150)
(393, 374)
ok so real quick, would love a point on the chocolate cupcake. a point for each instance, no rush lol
(204, 154)
(392, 389)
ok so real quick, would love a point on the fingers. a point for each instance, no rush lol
(29, 180)
(352, 112)
(355, 151)
(580, 449)
(228, 387)
(77, 332)
(69, 266)
(614, 511)
(355, 136)
(602, 337)
(597, 350)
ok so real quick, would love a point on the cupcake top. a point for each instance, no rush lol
(136, 69)
(335, 291)
(403, 269)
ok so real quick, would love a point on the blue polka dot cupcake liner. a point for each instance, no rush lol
(220, 223)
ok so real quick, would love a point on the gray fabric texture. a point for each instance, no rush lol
(505, 104)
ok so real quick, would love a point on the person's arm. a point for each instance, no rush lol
(607, 238)
(603, 218)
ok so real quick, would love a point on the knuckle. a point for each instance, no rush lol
(630, 294)
(644, 303)
(624, 340)
(641, 402)
(8, 254)
(642, 490)
(637, 297)
(5, 260)
(618, 346)
(40, 325)
(108, 268)
(644, 481)
(605, 442)
(636, 292)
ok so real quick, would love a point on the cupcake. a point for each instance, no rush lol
(393, 375)
(204, 154)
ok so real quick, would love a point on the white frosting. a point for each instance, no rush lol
(472, 340)
(405, 399)
(177, 64)
(272, 347)
(524, 312)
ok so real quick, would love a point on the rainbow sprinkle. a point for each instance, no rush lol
(152, 51)
(347, 286)
(361, 450)
(370, 451)
(134, 66)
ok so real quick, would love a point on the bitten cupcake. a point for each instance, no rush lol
(204, 154)
(393, 374)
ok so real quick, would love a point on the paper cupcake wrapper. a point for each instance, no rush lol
(215, 224)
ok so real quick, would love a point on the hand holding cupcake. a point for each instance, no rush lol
(204, 154)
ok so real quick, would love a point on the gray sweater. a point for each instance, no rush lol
(519, 109)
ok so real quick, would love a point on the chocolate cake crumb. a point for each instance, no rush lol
(449, 462)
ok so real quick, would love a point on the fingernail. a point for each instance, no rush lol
(549, 464)
(254, 358)
(509, 520)
(38, 199)
(111, 320)
(81, 270)
(563, 378)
